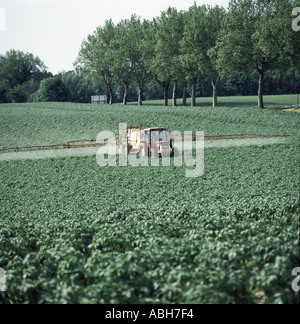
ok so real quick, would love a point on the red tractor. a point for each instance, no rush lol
(153, 142)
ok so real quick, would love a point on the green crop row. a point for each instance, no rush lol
(55, 123)
(72, 232)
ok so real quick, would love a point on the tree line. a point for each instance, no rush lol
(207, 43)
(33, 83)
(24, 78)
(202, 51)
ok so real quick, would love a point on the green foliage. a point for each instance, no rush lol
(81, 234)
(18, 94)
(23, 92)
(18, 72)
(132, 53)
(97, 54)
(35, 121)
(254, 35)
(257, 35)
(72, 232)
(201, 30)
(81, 87)
(168, 32)
(202, 43)
(78, 121)
(53, 89)
(117, 54)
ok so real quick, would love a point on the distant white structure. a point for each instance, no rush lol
(99, 99)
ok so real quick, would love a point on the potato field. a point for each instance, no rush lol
(73, 232)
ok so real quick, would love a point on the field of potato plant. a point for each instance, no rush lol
(72, 232)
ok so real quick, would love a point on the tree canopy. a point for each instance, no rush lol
(257, 34)
(20, 74)
(53, 89)
(205, 42)
(204, 49)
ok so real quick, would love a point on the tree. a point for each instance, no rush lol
(190, 47)
(96, 57)
(22, 92)
(54, 90)
(165, 64)
(142, 32)
(125, 44)
(198, 51)
(81, 87)
(253, 38)
(4, 88)
(132, 50)
(214, 18)
(16, 69)
(117, 54)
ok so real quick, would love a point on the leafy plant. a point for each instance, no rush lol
(72, 232)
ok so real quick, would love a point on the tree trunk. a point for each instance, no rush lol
(140, 100)
(193, 104)
(261, 89)
(184, 96)
(125, 98)
(111, 94)
(166, 86)
(215, 84)
(174, 98)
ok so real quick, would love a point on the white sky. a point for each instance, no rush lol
(54, 29)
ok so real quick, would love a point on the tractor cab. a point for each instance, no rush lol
(154, 142)
(154, 135)
(157, 141)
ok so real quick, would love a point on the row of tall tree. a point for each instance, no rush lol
(204, 42)
(24, 78)
(276, 82)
